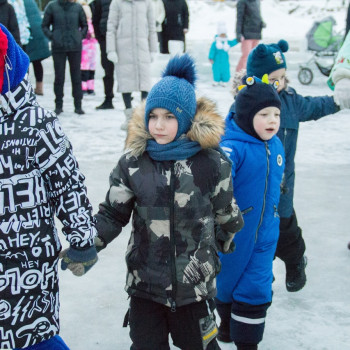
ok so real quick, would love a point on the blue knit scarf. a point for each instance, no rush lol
(180, 149)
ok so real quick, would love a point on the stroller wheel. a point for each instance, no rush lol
(305, 76)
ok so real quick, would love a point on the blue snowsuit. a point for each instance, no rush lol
(246, 275)
(221, 65)
(295, 108)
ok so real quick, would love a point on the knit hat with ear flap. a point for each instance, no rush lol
(251, 99)
(265, 59)
(175, 92)
(14, 62)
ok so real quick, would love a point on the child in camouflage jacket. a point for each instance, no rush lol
(178, 185)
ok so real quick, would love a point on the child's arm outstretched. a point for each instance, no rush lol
(114, 213)
(228, 217)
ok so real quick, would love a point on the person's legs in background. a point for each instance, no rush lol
(39, 74)
(108, 79)
(74, 59)
(246, 46)
(59, 62)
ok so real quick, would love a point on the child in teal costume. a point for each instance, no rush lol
(219, 57)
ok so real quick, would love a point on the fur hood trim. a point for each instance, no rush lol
(207, 128)
(237, 81)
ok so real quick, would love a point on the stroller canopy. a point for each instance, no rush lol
(320, 36)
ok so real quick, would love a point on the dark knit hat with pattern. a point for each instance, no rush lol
(254, 97)
(175, 92)
(265, 59)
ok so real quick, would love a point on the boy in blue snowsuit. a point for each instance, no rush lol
(219, 56)
(269, 59)
(245, 281)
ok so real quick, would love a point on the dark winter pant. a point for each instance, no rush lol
(38, 70)
(108, 66)
(246, 322)
(192, 327)
(59, 61)
(127, 98)
(291, 245)
(54, 343)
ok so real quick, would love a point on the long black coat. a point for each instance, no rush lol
(68, 25)
(9, 20)
(176, 20)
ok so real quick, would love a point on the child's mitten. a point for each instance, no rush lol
(79, 261)
(342, 93)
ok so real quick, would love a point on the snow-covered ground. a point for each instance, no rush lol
(316, 318)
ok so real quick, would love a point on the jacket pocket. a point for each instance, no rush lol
(246, 211)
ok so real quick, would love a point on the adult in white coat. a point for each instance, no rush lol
(159, 15)
(131, 44)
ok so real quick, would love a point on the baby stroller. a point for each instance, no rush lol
(324, 45)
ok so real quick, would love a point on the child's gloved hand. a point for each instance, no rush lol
(113, 57)
(342, 93)
(78, 261)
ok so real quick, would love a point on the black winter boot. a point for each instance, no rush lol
(295, 275)
(247, 346)
(78, 109)
(107, 104)
(59, 108)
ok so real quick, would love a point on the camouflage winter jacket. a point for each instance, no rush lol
(172, 252)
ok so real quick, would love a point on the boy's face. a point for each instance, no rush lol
(162, 125)
(280, 76)
(222, 35)
(267, 122)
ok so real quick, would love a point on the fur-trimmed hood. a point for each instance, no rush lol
(207, 128)
(237, 81)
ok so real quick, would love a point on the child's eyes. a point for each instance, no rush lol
(151, 116)
(170, 116)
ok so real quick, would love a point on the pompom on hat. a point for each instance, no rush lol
(14, 62)
(175, 92)
(265, 59)
(253, 97)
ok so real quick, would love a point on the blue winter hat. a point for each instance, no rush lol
(16, 63)
(175, 92)
(251, 99)
(265, 59)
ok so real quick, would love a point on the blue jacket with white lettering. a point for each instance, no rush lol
(257, 169)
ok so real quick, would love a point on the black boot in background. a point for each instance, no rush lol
(247, 346)
(78, 109)
(59, 107)
(107, 104)
(295, 275)
(224, 311)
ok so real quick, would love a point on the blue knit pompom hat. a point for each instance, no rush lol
(265, 59)
(16, 63)
(175, 92)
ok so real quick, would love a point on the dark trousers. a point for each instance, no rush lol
(291, 245)
(127, 98)
(245, 321)
(192, 327)
(38, 70)
(108, 66)
(59, 61)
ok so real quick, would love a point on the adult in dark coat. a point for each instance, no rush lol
(175, 24)
(9, 20)
(38, 46)
(65, 24)
(100, 11)
(249, 25)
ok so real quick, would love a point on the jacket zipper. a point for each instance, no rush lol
(265, 190)
(172, 239)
